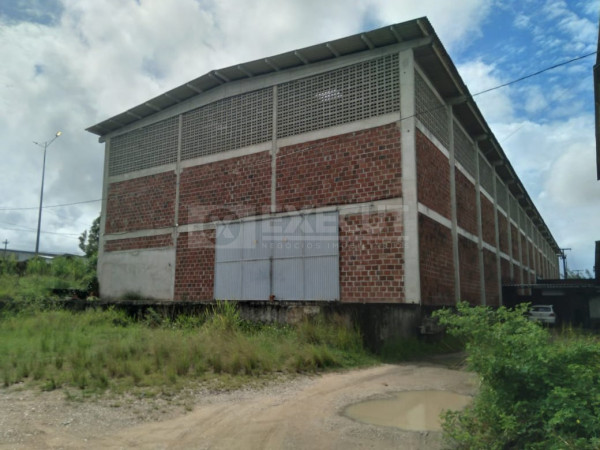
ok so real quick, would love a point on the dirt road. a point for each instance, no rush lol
(306, 412)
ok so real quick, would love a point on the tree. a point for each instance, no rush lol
(88, 242)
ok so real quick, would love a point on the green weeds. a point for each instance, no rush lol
(537, 390)
(97, 350)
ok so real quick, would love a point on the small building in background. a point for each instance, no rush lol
(353, 171)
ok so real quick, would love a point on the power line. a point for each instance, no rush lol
(29, 230)
(534, 74)
(3, 208)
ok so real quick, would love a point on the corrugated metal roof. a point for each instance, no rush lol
(432, 58)
(357, 43)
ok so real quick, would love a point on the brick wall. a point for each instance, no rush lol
(371, 258)
(466, 203)
(228, 189)
(517, 274)
(503, 233)
(468, 260)
(349, 168)
(490, 273)
(433, 176)
(141, 203)
(515, 242)
(195, 266)
(505, 271)
(163, 240)
(524, 250)
(488, 225)
(435, 263)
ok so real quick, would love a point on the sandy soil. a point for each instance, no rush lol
(305, 412)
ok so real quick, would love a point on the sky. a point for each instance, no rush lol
(69, 64)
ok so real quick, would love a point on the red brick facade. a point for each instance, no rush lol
(195, 266)
(350, 168)
(162, 240)
(503, 233)
(490, 273)
(371, 258)
(488, 226)
(514, 235)
(228, 189)
(141, 204)
(466, 203)
(468, 260)
(505, 271)
(433, 176)
(436, 263)
(358, 167)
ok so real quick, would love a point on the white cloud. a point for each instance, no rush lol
(496, 106)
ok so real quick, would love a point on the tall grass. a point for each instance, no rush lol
(40, 277)
(97, 350)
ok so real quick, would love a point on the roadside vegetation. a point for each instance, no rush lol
(40, 278)
(537, 390)
(95, 350)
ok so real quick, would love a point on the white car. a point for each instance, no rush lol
(543, 313)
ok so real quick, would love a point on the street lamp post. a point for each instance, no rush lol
(45, 146)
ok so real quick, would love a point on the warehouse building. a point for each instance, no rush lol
(354, 171)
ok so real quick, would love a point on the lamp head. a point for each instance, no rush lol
(58, 133)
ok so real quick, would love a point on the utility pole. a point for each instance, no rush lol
(562, 256)
(45, 146)
(5, 242)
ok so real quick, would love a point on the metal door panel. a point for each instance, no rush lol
(287, 237)
(228, 243)
(256, 283)
(288, 279)
(322, 278)
(228, 281)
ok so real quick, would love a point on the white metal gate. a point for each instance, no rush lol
(292, 258)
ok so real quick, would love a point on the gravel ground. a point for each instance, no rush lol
(301, 412)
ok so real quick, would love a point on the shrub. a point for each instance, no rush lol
(536, 391)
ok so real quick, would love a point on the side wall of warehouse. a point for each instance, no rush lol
(324, 142)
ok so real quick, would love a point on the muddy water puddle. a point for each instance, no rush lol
(409, 410)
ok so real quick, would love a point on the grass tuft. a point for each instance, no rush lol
(96, 350)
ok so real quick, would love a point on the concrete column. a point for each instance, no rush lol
(274, 150)
(520, 243)
(497, 238)
(510, 248)
(102, 237)
(175, 233)
(479, 228)
(412, 277)
(178, 175)
(453, 212)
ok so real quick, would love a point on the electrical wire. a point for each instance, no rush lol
(6, 208)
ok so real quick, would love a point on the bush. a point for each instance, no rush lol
(536, 391)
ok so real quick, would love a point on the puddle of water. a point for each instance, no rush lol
(409, 410)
